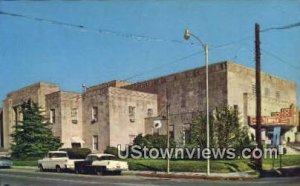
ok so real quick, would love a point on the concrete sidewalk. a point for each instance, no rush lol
(196, 175)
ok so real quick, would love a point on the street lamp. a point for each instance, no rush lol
(187, 35)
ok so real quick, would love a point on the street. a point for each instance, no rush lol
(12, 177)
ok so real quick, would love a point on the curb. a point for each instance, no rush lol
(193, 175)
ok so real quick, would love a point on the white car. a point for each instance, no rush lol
(101, 163)
(5, 162)
(57, 160)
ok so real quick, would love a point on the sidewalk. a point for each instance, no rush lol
(194, 175)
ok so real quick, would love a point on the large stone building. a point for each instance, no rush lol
(229, 84)
(115, 112)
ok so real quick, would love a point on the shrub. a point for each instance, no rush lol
(79, 153)
(111, 150)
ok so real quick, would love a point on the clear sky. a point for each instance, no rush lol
(35, 50)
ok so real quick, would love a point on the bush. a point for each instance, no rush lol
(79, 153)
(111, 150)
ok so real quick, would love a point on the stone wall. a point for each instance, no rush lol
(276, 93)
(35, 92)
(186, 93)
(67, 126)
(96, 98)
(124, 127)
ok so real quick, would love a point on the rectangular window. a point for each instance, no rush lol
(95, 142)
(150, 112)
(267, 92)
(52, 116)
(277, 94)
(253, 88)
(94, 114)
(74, 115)
(131, 111)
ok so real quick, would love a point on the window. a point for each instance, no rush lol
(277, 94)
(253, 88)
(52, 115)
(94, 114)
(150, 112)
(131, 111)
(74, 115)
(95, 142)
(267, 92)
(186, 134)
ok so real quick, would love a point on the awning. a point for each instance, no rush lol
(76, 139)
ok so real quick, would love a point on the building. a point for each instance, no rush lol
(229, 84)
(115, 112)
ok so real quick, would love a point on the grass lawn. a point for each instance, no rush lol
(217, 166)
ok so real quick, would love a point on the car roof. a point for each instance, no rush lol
(57, 152)
(100, 155)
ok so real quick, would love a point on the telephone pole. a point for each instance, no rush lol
(258, 95)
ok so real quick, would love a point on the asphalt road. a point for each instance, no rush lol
(24, 178)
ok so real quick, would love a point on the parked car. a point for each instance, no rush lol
(100, 164)
(57, 160)
(5, 162)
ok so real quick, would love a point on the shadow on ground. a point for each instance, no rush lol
(284, 172)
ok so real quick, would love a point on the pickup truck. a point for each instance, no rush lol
(56, 160)
(100, 164)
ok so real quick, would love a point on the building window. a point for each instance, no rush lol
(131, 111)
(277, 94)
(236, 109)
(52, 116)
(150, 112)
(74, 115)
(94, 114)
(171, 132)
(253, 88)
(267, 92)
(186, 134)
(95, 142)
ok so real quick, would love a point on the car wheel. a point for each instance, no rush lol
(118, 172)
(78, 170)
(100, 171)
(58, 169)
(41, 168)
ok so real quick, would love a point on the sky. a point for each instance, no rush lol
(90, 42)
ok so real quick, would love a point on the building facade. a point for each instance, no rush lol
(115, 112)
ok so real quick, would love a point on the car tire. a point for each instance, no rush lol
(118, 172)
(41, 168)
(100, 170)
(78, 170)
(58, 169)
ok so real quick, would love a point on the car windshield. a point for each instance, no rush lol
(108, 158)
(57, 155)
(5, 158)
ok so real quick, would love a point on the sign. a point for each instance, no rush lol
(277, 118)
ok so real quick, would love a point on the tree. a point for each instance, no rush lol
(33, 137)
(225, 130)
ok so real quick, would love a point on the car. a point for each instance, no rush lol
(5, 162)
(100, 164)
(57, 160)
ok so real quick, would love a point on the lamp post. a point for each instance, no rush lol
(187, 35)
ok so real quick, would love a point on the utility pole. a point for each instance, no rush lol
(168, 132)
(258, 95)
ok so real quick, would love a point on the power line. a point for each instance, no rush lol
(282, 27)
(279, 59)
(165, 64)
(97, 31)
